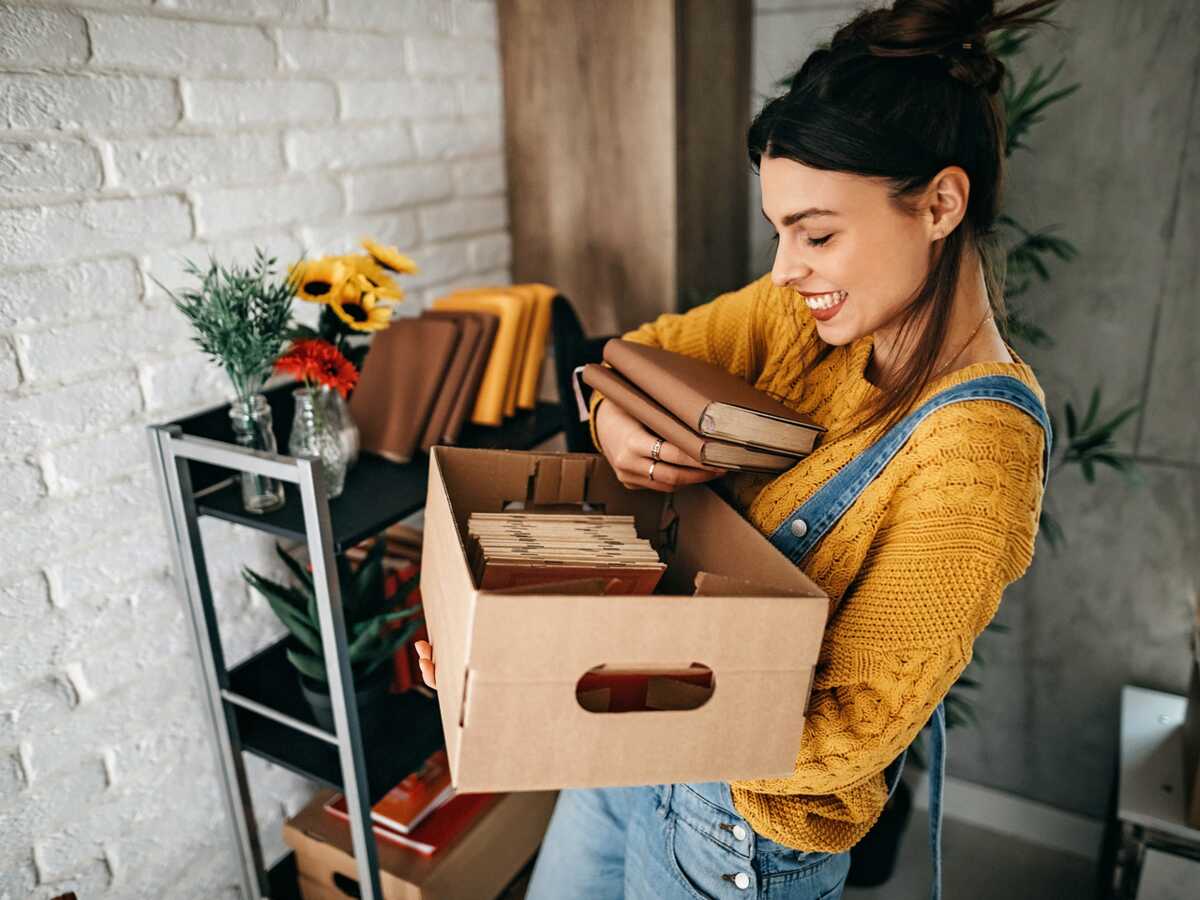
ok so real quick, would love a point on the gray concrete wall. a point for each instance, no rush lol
(1117, 166)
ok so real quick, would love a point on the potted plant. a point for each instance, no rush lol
(355, 292)
(369, 612)
(242, 318)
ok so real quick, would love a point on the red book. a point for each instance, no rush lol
(417, 795)
(440, 829)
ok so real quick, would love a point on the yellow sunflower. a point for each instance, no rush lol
(389, 257)
(360, 308)
(319, 280)
(361, 264)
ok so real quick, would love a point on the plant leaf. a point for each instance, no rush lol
(309, 665)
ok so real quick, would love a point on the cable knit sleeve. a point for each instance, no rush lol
(958, 529)
(722, 331)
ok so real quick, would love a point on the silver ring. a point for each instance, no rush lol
(650, 474)
(656, 449)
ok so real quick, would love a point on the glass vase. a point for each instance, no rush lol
(251, 419)
(342, 422)
(315, 435)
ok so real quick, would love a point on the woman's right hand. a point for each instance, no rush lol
(425, 661)
(626, 444)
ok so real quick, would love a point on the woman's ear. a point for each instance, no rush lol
(948, 194)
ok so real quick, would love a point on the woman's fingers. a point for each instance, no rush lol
(424, 649)
(667, 477)
(670, 453)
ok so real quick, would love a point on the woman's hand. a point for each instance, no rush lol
(425, 661)
(626, 444)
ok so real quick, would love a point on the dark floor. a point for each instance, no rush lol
(982, 865)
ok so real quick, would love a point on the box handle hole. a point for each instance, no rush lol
(614, 689)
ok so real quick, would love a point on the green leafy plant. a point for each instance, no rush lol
(241, 317)
(367, 608)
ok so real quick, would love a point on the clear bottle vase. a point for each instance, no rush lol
(314, 435)
(342, 422)
(251, 419)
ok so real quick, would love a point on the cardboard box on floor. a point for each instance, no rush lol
(508, 663)
(477, 866)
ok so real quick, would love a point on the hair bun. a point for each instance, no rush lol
(953, 30)
(971, 62)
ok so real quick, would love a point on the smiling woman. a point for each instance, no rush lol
(881, 169)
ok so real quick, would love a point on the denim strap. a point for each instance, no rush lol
(799, 532)
(821, 512)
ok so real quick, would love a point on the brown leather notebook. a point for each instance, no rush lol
(659, 420)
(711, 401)
(456, 396)
(396, 389)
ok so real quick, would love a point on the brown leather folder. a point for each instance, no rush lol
(396, 389)
(502, 368)
(659, 420)
(456, 397)
(711, 401)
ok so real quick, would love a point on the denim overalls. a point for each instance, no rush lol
(686, 840)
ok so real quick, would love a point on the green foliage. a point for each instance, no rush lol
(241, 317)
(368, 612)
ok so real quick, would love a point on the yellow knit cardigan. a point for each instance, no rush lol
(914, 569)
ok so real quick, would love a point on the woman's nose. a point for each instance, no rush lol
(785, 271)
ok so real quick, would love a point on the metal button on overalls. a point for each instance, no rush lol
(799, 527)
(742, 880)
(739, 832)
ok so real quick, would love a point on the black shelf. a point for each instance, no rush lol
(378, 492)
(283, 879)
(410, 727)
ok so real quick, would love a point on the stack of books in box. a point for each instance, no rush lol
(475, 355)
(711, 414)
(518, 549)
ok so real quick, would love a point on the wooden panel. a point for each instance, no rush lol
(610, 107)
(589, 132)
(713, 115)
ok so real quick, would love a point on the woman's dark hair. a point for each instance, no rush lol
(899, 94)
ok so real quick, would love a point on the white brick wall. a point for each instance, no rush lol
(134, 134)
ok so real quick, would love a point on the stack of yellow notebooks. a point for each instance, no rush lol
(512, 375)
(522, 548)
(475, 355)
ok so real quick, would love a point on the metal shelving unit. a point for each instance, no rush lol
(254, 707)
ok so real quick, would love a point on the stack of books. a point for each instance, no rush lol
(522, 548)
(475, 355)
(422, 813)
(712, 415)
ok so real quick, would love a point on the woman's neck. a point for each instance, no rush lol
(966, 342)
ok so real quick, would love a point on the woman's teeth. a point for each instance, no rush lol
(824, 301)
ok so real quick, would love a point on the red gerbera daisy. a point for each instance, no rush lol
(314, 360)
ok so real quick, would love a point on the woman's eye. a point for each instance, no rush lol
(812, 242)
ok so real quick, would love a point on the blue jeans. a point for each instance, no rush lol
(686, 841)
(671, 842)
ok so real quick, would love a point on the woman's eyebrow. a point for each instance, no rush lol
(793, 218)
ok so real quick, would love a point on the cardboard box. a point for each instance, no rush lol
(477, 866)
(508, 664)
(1191, 734)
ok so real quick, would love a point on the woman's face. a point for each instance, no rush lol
(863, 249)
